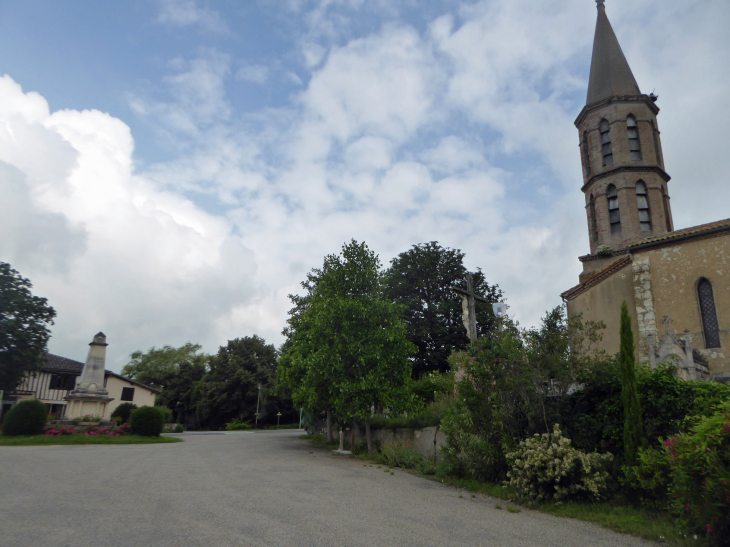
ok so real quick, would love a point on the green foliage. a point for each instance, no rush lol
(24, 332)
(402, 454)
(230, 389)
(421, 280)
(124, 411)
(25, 418)
(514, 383)
(431, 385)
(147, 421)
(348, 348)
(168, 414)
(157, 367)
(648, 478)
(633, 421)
(237, 424)
(604, 251)
(546, 468)
(179, 428)
(429, 416)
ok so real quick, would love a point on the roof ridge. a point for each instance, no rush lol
(596, 278)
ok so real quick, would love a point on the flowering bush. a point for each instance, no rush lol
(546, 468)
(63, 430)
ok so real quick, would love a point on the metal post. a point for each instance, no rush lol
(257, 407)
(301, 409)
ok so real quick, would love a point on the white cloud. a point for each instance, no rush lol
(185, 13)
(256, 74)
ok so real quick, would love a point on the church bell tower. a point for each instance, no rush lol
(624, 181)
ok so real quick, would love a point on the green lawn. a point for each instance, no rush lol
(45, 440)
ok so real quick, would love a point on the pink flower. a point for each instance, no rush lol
(709, 528)
(686, 507)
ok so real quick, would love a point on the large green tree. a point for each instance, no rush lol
(157, 367)
(421, 279)
(230, 388)
(348, 346)
(24, 332)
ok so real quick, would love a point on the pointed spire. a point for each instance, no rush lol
(610, 72)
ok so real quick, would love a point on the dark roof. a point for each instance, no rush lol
(597, 278)
(692, 232)
(56, 363)
(610, 72)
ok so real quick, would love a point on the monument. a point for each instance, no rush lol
(89, 396)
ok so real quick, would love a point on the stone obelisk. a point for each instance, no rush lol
(90, 397)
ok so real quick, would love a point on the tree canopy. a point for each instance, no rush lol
(158, 367)
(24, 332)
(347, 345)
(421, 279)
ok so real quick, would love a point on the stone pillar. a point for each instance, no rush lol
(645, 316)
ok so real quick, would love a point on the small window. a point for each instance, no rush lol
(606, 143)
(586, 154)
(127, 394)
(642, 200)
(614, 216)
(62, 381)
(709, 314)
(633, 131)
(592, 220)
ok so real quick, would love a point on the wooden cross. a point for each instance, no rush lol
(469, 298)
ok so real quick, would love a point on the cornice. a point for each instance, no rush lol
(616, 99)
(630, 168)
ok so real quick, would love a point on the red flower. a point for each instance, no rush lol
(709, 528)
(686, 507)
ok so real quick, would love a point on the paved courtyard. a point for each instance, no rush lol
(250, 489)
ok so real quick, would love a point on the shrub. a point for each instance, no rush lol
(169, 418)
(87, 418)
(237, 424)
(25, 418)
(179, 428)
(649, 478)
(147, 421)
(124, 411)
(546, 468)
(604, 250)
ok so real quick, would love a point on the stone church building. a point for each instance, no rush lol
(675, 282)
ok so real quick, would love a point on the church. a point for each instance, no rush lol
(676, 283)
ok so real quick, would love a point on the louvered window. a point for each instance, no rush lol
(709, 315)
(614, 216)
(633, 131)
(642, 200)
(586, 154)
(593, 224)
(606, 143)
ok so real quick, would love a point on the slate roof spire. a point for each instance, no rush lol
(610, 72)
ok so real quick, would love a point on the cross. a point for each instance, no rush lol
(468, 306)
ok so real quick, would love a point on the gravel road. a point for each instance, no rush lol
(263, 488)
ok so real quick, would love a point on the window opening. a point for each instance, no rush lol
(709, 314)
(586, 154)
(614, 216)
(633, 131)
(592, 213)
(606, 143)
(127, 394)
(642, 200)
(62, 381)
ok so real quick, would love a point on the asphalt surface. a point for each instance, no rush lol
(251, 489)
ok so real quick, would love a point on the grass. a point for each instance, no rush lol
(48, 440)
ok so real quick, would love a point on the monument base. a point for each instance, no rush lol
(83, 404)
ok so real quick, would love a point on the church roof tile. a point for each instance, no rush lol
(597, 278)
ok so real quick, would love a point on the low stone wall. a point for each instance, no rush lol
(427, 441)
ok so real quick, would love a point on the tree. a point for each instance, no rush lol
(230, 389)
(158, 367)
(421, 279)
(633, 421)
(24, 332)
(348, 348)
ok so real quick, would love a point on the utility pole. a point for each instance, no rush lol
(257, 407)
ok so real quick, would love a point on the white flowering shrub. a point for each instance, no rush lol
(546, 468)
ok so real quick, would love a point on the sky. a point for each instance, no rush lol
(171, 170)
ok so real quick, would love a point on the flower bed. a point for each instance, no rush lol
(113, 431)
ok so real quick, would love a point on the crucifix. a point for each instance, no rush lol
(469, 298)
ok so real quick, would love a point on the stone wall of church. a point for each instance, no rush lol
(671, 274)
(602, 302)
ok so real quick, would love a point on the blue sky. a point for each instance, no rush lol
(172, 169)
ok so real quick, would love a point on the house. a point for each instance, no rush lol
(58, 376)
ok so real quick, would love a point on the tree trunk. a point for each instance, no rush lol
(368, 436)
(329, 427)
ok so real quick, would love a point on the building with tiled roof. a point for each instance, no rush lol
(676, 283)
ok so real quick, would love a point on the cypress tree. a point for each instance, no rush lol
(633, 422)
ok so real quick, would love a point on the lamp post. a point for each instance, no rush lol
(256, 423)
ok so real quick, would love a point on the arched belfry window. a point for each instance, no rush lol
(586, 153)
(709, 315)
(642, 201)
(614, 216)
(665, 201)
(605, 130)
(592, 221)
(633, 131)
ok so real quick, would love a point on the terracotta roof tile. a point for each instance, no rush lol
(691, 231)
(597, 278)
